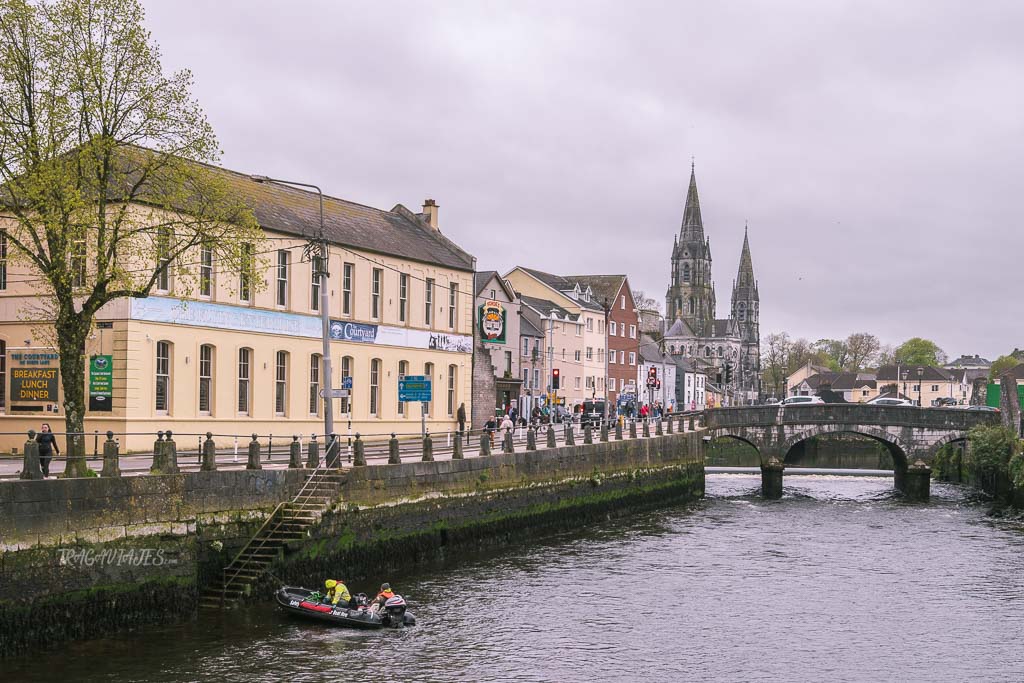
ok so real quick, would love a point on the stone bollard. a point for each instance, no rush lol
(30, 468)
(657, 428)
(668, 425)
(507, 444)
(254, 455)
(428, 448)
(632, 429)
(485, 444)
(682, 424)
(603, 433)
(209, 454)
(157, 466)
(332, 457)
(312, 453)
(457, 448)
(394, 455)
(618, 431)
(531, 439)
(359, 452)
(771, 479)
(111, 467)
(294, 453)
(551, 436)
(588, 435)
(647, 429)
(170, 454)
(570, 438)
(917, 481)
(690, 428)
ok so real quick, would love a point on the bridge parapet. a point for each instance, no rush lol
(849, 414)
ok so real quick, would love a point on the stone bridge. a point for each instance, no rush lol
(912, 435)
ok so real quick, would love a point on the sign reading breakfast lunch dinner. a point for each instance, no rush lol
(35, 377)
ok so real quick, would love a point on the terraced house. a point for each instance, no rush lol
(234, 357)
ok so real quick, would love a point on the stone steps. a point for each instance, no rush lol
(292, 521)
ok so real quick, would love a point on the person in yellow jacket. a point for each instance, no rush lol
(337, 592)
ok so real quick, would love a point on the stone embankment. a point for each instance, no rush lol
(80, 557)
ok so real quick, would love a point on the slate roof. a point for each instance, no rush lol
(680, 329)
(650, 350)
(887, 373)
(398, 232)
(722, 328)
(603, 286)
(528, 329)
(545, 308)
(840, 381)
(564, 285)
(481, 278)
(965, 360)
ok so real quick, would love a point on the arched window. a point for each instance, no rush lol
(707, 352)
(693, 305)
(452, 371)
(345, 404)
(281, 383)
(375, 387)
(403, 370)
(686, 272)
(742, 312)
(428, 372)
(163, 377)
(206, 379)
(315, 362)
(3, 375)
(244, 380)
(719, 351)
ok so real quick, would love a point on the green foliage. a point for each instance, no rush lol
(991, 449)
(947, 463)
(1016, 469)
(1001, 365)
(918, 351)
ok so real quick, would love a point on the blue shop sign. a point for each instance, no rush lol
(353, 332)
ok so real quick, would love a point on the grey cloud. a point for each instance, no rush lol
(875, 148)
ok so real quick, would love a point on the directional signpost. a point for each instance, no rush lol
(416, 388)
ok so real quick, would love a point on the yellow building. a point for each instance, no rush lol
(237, 358)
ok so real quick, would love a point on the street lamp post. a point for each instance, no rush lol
(318, 249)
(607, 339)
(920, 386)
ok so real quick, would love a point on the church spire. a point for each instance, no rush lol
(693, 226)
(745, 275)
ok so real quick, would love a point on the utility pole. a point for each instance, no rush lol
(318, 252)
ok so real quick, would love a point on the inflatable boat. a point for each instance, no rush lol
(307, 604)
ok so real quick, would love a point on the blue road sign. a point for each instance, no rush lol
(414, 389)
(346, 383)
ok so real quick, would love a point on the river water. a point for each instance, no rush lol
(838, 581)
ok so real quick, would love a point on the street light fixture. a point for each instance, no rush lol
(920, 386)
(317, 250)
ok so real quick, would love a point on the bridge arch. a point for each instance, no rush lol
(953, 437)
(897, 448)
(737, 437)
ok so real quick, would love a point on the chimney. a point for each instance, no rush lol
(430, 211)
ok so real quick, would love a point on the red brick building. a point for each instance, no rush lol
(622, 330)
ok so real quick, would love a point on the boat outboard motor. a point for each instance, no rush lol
(394, 610)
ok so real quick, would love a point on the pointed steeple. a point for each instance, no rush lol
(745, 275)
(692, 227)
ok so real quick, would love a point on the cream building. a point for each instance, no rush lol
(238, 358)
(586, 368)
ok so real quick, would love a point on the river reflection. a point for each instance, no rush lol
(840, 581)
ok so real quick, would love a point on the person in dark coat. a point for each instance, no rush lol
(47, 447)
(461, 416)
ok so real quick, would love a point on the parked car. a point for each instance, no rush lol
(801, 401)
(593, 413)
(890, 402)
(944, 402)
(987, 409)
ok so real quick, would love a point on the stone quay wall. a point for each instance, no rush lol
(86, 556)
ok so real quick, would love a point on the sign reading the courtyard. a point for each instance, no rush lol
(492, 322)
(101, 383)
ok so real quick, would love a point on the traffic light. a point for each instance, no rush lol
(728, 373)
(556, 375)
(652, 376)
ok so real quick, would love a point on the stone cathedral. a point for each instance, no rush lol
(695, 333)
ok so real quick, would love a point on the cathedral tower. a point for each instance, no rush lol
(691, 294)
(746, 311)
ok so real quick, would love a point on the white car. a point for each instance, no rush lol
(801, 401)
(891, 402)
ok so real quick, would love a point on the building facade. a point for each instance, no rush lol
(729, 347)
(497, 384)
(236, 358)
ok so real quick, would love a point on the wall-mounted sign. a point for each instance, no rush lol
(492, 322)
(101, 383)
(242, 319)
(34, 385)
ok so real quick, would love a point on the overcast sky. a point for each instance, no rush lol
(876, 148)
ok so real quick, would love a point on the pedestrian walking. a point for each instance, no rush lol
(47, 447)
(461, 416)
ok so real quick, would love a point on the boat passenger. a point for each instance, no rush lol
(337, 592)
(385, 594)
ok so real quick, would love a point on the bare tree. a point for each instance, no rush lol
(644, 302)
(862, 349)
